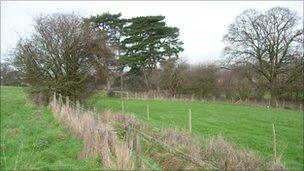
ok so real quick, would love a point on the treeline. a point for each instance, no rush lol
(208, 81)
(75, 56)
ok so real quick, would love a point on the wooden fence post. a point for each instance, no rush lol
(54, 98)
(274, 142)
(96, 113)
(122, 107)
(148, 112)
(128, 136)
(190, 121)
(78, 110)
(60, 99)
(138, 149)
(67, 102)
(77, 104)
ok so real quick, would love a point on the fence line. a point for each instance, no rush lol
(139, 134)
(184, 127)
(176, 151)
(180, 97)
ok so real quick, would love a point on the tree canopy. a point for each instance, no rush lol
(268, 44)
(148, 41)
(59, 54)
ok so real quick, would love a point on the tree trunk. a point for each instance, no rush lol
(273, 96)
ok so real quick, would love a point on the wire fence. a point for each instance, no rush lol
(139, 135)
(192, 97)
(185, 120)
(174, 150)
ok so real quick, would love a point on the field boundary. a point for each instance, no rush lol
(136, 148)
(178, 97)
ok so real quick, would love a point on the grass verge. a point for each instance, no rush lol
(32, 139)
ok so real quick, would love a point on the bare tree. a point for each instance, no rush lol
(266, 43)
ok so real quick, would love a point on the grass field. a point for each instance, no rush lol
(247, 127)
(32, 139)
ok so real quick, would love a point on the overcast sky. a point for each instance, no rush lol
(202, 24)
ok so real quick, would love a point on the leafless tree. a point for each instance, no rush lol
(268, 44)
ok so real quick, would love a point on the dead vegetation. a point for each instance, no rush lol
(106, 135)
(98, 136)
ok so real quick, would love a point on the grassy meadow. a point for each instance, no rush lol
(246, 127)
(32, 139)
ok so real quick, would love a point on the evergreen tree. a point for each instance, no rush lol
(148, 41)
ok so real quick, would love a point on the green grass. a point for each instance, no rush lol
(247, 127)
(32, 139)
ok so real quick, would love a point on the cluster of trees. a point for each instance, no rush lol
(9, 75)
(74, 55)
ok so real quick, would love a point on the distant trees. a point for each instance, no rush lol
(173, 75)
(181, 78)
(60, 54)
(203, 80)
(9, 75)
(267, 44)
(71, 55)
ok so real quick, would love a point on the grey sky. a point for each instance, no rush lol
(202, 24)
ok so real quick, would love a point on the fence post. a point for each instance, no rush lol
(77, 104)
(60, 99)
(148, 112)
(67, 101)
(128, 136)
(190, 121)
(95, 113)
(274, 142)
(138, 149)
(78, 108)
(54, 98)
(122, 106)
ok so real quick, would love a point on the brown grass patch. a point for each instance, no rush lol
(98, 136)
(102, 135)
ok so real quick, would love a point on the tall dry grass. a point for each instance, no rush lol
(98, 135)
(102, 138)
(218, 152)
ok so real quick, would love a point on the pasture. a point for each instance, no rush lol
(32, 139)
(246, 127)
